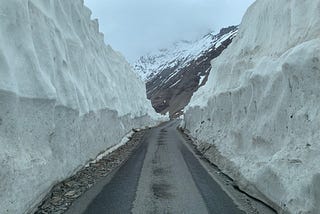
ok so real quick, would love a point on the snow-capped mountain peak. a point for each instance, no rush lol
(173, 74)
(180, 53)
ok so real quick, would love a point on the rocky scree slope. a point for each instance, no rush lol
(258, 115)
(64, 97)
(173, 75)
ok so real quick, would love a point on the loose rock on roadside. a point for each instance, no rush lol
(63, 194)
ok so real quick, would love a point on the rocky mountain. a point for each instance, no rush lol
(172, 75)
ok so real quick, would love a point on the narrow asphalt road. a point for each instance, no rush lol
(161, 176)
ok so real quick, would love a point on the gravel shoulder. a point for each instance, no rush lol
(88, 180)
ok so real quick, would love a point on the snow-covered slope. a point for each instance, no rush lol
(258, 116)
(180, 55)
(64, 97)
(172, 75)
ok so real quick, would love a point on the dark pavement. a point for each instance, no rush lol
(161, 176)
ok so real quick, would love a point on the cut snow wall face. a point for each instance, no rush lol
(260, 107)
(64, 97)
(51, 49)
(41, 143)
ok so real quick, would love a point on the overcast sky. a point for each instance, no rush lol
(136, 27)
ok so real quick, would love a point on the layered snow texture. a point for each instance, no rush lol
(64, 97)
(258, 116)
(179, 56)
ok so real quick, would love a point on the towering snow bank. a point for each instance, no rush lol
(258, 116)
(64, 96)
(51, 49)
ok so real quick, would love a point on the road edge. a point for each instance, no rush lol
(88, 179)
(242, 199)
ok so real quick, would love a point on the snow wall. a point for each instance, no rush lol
(64, 97)
(258, 116)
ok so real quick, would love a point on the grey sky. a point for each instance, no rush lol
(136, 27)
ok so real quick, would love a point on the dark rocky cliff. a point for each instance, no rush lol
(171, 88)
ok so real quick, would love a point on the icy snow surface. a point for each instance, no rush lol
(180, 54)
(64, 97)
(259, 110)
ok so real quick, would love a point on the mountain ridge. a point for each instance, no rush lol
(173, 74)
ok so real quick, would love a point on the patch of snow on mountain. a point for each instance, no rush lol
(201, 79)
(179, 55)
